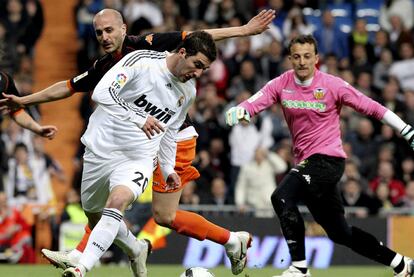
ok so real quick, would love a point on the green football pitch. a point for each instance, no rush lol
(175, 271)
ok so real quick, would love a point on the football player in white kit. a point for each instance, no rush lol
(141, 104)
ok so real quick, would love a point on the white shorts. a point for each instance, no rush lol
(101, 175)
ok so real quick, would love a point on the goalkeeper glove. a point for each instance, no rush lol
(235, 114)
(408, 133)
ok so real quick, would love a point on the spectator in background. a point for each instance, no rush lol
(219, 13)
(8, 53)
(398, 33)
(381, 69)
(385, 176)
(407, 175)
(248, 79)
(170, 14)
(404, 9)
(381, 42)
(16, 23)
(408, 200)
(15, 235)
(351, 172)
(382, 194)
(402, 69)
(353, 195)
(34, 27)
(364, 84)
(271, 60)
(279, 127)
(359, 60)
(88, 47)
(218, 156)
(139, 11)
(362, 140)
(47, 163)
(192, 10)
(244, 138)
(218, 193)
(207, 173)
(242, 53)
(189, 195)
(257, 180)
(409, 103)
(331, 39)
(330, 64)
(296, 22)
(360, 35)
(26, 182)
(390, 97)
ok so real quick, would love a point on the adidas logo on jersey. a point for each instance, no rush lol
(162, 115)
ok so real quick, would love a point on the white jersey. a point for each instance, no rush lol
(139, 85)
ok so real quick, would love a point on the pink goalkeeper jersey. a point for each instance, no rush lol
(312, 112)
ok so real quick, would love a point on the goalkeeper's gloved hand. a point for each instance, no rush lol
(235, 114)
(408, 133)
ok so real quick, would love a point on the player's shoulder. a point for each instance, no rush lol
(331, 80)
(139, 56)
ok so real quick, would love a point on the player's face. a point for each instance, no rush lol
(304, 60)
(189, 67)
(110, 32)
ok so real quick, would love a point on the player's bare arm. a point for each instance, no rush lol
(55, 92)
(152, 126)
(256, 25)
(27, 122)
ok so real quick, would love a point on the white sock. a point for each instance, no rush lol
(233, 243)
(101, 238)
(300, 264)
(127, 241)
(74, 255)
(396, 261)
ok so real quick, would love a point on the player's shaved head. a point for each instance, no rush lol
(117, 17)
(110, 30)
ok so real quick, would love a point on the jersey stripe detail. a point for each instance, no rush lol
(144, 54)
(125, 105)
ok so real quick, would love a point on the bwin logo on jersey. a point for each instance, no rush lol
(162, 115)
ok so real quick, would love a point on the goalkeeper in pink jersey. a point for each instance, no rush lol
(311, 101)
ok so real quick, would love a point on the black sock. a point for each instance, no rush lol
(302, 269)
(400, 266)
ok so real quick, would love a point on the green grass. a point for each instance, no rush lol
(175, 271)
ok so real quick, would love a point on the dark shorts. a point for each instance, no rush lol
(314, 182)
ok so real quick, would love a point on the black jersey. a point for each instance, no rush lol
(7, 84)
(87, 81)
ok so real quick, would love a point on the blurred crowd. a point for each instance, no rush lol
(368, 43)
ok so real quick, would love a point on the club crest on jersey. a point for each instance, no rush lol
(180, 101)
(319, 93)
(149, 39)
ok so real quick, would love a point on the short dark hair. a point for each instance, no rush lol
(199, 41)
(302, 39)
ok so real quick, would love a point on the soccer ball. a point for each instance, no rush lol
(197, 272)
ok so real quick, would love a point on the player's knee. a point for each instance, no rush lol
(163, 218)
(118, 201)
